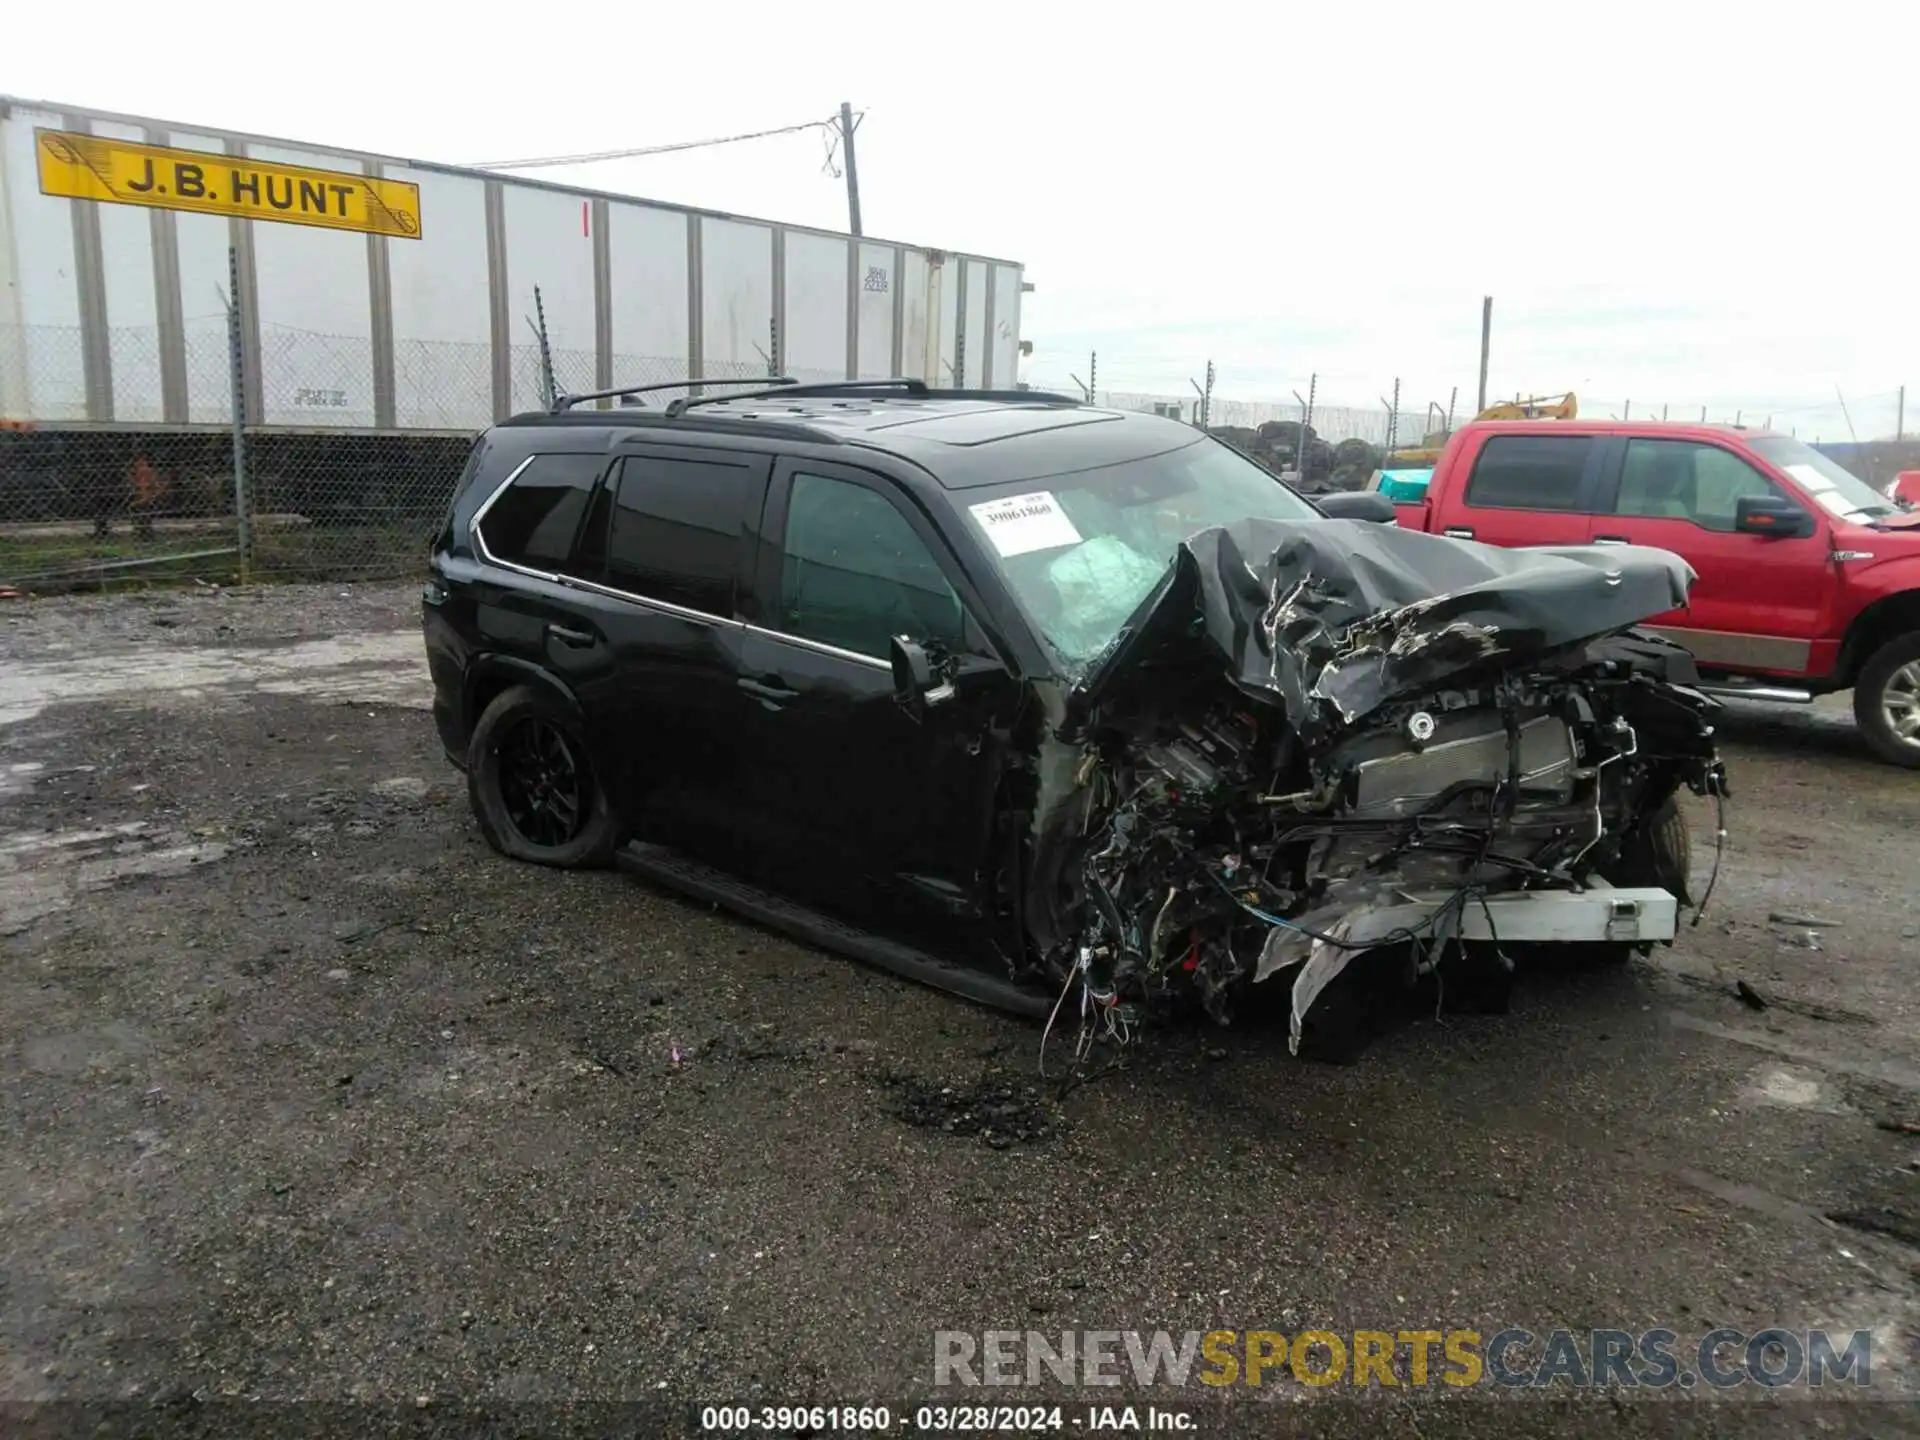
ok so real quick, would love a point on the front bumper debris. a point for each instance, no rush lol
(1318, 740)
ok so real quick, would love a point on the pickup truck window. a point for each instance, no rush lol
(1081, 550)
(853, 574)
(676, 530)
(1529, 472)
(1832, 486)
(1686, 480)
(533, 521)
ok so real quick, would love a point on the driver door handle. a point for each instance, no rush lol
(567, 635)
(767, 689)
(1611, 540)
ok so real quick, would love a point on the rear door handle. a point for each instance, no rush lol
(1611, 540)
(768, 689)
(1458, 532)
(567, 635)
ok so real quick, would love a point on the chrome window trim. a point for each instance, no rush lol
(554, 577)
(820, 646)
(647, 602)
(473, 525)
(666, 607)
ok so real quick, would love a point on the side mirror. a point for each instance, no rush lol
(1771, 515)
(919, 678)
(1369, 505)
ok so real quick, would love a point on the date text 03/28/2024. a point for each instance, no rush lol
(943, 1419)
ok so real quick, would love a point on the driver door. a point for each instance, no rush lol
(1759, 598)
(869, 808)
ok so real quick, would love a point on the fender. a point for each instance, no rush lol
(487, 667)
(1881, 571)
(1887, 595)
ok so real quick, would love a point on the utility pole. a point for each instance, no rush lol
(853, 173)
(1486, 339)
(1900, 416)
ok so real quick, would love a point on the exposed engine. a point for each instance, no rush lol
(1229, 837)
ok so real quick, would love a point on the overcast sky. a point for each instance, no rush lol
(1686, 203)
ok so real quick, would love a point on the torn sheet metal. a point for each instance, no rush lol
(1318, 739)
(1350, 935)
(1336, 617)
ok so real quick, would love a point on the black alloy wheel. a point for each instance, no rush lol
(542, 783)
(533, 783)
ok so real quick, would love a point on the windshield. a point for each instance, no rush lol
(1081, 550)
(1834, 488)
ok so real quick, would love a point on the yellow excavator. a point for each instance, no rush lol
(1534, 407)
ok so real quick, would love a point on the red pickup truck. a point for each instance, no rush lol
(1809, 578)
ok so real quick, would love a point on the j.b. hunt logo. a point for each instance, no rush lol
(1719, 1359)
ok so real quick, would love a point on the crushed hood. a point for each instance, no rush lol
(1334, 618)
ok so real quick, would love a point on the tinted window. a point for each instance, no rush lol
(678, 526)
(590, 553)
(854, 574)
(533, 523)
(1685, 480)
(1530, 472)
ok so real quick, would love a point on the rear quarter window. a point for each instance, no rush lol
(534, 520)
(1530, 472)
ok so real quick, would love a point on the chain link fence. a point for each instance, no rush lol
(308, 487)
(1343, 444)
(1322, 446)
(312, 486)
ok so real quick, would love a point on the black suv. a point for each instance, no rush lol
(826, 654)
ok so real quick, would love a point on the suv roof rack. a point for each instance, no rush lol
(917, 389)
(563, 403)
(825, 387)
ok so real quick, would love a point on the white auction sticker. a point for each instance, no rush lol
(1020, 524)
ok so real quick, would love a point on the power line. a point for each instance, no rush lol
(597, 156)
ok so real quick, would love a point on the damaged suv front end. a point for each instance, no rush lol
(1317, 738)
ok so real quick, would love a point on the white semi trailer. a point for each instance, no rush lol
(388, 294)
(395, 297)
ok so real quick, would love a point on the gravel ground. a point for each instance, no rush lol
(311, 1097)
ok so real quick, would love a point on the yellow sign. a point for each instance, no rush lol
(91, 167)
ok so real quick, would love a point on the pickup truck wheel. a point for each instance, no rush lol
(1886, 701)
(532, 785)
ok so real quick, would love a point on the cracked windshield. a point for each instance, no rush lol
(1081, 550)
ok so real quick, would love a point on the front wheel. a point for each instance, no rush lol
(532, 784)
(1886, 701)
(1659, 852)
